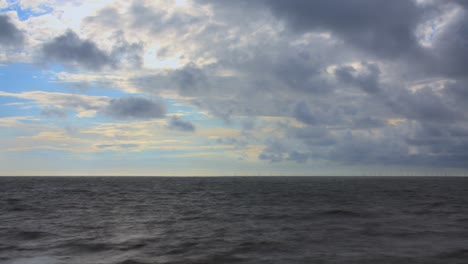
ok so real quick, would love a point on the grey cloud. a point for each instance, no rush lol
(190, 80)
(449, 51)
(302, 113)
(441, 145)
(431, 134)
(124, 51)
(299, 71)
(268, 74)
(312, 136)
(10, 36)
(274, 151)
(463, 3)
(120, 146)
(282, 149)
(67, 102)
(134, 108)
(434, 146)
(72, 51)
(69, 49)
(368, 123)
(175, 123)
(457, 90)
(158, 21)
(366, 78)
(54, 112)
(298, 157)
(248, 124)
(108, 16)
(385, 28)
(238, 142)
(359, 149)
(423, 105)
(242, 140)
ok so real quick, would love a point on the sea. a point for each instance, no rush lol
(143, 220)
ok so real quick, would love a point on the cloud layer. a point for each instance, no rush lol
(347, 83)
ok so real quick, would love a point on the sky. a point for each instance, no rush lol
(202, 87)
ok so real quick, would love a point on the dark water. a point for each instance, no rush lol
(233, 220)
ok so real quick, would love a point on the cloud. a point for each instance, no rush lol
(69, 49)
(160, 20)
(175, 123)
(134, 108)
(77, 53)
(449, 50)
(108, 16)
(56, 104)
(54, 112)
(366, 78)
(303, 114)
(368, 122)
(298, 157)
(117, 146)
(425, 105)
(10, 35)
(368, 25)
(125, 52)
(274, 151)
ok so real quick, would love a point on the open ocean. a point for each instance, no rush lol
(133, 220)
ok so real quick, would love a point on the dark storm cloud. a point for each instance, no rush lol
(69, 49)
(10, 36)
(134, 108)
(385, 28)
(175, 123)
